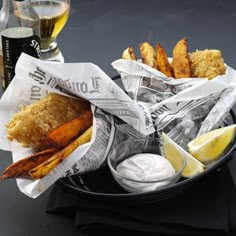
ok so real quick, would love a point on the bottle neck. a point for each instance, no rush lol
(6, 3)
(8, 6)
(10, 3)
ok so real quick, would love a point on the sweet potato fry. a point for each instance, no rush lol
(148, 54)
(66, 133)
(22, 167)
(163, 64)
(181, 61)
(44, 168)
(128, 54)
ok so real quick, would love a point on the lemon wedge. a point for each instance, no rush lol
(210, 146)
(175, 155)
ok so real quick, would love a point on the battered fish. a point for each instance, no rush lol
(32, 123)
(207, 63)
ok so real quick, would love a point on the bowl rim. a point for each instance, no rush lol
(181, 185)
(130, 198)
(117, 174)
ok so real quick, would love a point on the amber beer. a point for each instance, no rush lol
(53, 16)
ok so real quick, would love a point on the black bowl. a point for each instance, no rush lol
(99, 185)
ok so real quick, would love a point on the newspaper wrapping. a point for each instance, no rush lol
(182, 108)
(85, 80)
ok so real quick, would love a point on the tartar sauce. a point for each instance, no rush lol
(145, 167)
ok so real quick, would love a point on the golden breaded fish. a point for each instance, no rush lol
(207, 63)
(32, 123)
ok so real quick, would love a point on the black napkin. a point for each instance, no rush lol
(208, 207)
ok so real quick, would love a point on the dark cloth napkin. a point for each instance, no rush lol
(207, 207)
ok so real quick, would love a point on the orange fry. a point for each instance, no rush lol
(66, 133)
(22, 167)
(148, 54)
(181, 61)
(128, 54)
(163, 64)
(44, 168)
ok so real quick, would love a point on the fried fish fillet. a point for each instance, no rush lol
(207, 63)
(128, 54)
(32, 123)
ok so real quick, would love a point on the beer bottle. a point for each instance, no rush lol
(18, 34)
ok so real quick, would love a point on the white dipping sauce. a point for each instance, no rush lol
(145, 167)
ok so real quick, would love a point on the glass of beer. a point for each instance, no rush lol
(53, 15)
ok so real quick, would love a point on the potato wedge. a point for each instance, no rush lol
(66, 133)
(163, 64)
(22, 167)
(181, 61)
(128, 54)
(148, 54)
(44, 168)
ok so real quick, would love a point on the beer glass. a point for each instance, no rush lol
(53, 15)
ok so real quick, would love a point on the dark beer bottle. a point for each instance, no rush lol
(18, 34)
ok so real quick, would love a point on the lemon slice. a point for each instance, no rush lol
(175, 155)
(210, 146)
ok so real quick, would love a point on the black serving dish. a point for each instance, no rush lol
(99, 185)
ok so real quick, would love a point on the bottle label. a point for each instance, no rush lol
(12, 49)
